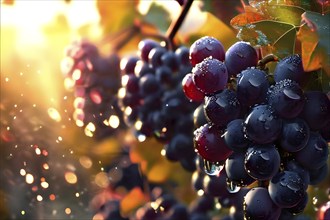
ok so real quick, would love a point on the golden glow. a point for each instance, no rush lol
(43, 28)
(23, 212)
(70, 177)
(54, 114)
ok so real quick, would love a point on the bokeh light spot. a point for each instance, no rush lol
(70, 177)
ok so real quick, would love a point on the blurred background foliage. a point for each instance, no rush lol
(36, 109)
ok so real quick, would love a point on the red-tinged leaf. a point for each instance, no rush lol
(314, 36)
(246, 18)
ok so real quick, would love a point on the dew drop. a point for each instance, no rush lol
(291, 94)
(209, 47)
(265, 156)
(262, 118)
(232, 187)
(212, 168)
(221, 102)
(254, 82)
(293, 186)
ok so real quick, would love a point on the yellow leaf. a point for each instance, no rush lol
(132, 200)
(116, 15)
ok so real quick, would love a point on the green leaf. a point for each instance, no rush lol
(305, 4)
(284, 13)
(277, 35)
(158, 17)
(224, 10)
(314, 35)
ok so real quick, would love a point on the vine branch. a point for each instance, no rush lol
(176, 24)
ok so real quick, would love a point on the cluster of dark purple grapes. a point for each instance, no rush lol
(153, 102)
(166, 207)
(95, 81)
(265, 131)
(124, 175)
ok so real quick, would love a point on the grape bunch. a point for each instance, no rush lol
(166, 207)
(153, 102)
(264, 132)
(94, 80)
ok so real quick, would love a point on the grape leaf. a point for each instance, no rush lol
(247, 17)
(132, 200)
(116, 15)
(223, 9)
(284, 13)
(305, 4)
(314, 35)
(158, 16)
(280, 36)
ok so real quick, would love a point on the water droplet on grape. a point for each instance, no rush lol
(254, 82)
(232, 187)
(293, 186)
(212, 168)
(291, 94)
(262, 118)
(265, 156)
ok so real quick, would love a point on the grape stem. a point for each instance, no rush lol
(262, 183)
(268, 58)
(176, 24)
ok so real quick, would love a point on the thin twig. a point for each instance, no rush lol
(176, 24)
